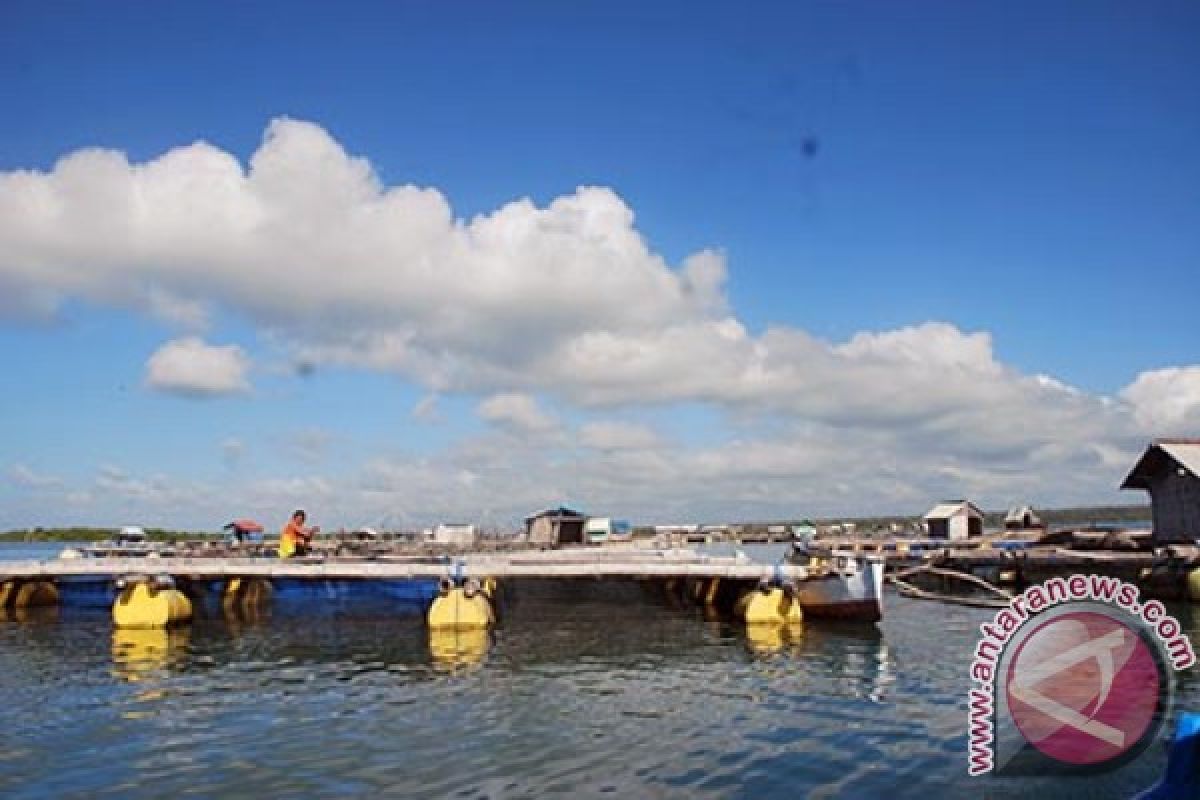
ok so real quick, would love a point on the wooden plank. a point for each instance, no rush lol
(213, 568)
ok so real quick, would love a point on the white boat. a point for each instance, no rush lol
(843, 586)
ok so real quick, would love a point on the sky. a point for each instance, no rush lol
(400, 263)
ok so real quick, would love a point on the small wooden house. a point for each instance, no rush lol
(455, 533)
(957, 520)
(1170, 471)
(556, 526)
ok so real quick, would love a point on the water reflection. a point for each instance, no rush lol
(30, 615)
(604, 690)
(141, 654)
(767, 639)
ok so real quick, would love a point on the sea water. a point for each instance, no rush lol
(601, 690)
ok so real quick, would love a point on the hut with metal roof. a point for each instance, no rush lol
(960, 519)
(1170, 471)
(1022, 518)
(556, 526)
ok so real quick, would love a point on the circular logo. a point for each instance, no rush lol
(1084, 688)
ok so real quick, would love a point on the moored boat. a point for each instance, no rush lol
(841, 586)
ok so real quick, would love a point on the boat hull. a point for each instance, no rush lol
(853, 590)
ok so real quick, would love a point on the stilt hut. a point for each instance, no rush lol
(956, 520)
(1170, 471)
(556, 526)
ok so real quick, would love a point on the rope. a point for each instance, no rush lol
(908, 590)
(963, 576)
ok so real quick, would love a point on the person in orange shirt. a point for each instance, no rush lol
(294, 539)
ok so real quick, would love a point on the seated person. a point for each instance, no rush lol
(295, 539)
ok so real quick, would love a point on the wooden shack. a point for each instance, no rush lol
(1170, 471)
(556, 526)
(960, 519)
(456, 533)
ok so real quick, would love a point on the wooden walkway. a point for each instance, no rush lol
(663, 564)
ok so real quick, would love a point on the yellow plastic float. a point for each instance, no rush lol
(466, 607)
(770, 605)
(1194, 585)
(145, 605)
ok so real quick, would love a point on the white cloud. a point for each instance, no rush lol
(564, 301)
(516, 412)
(27, 478)
(614, 435)
(189, 366)
(1166, 401)
(307, 241)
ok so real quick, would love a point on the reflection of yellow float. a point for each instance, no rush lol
(458, 648)
(32, 614)
(145, 604)
(138, 653)
(765, 639)
(1194, 585)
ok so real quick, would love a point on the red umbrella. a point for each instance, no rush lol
(246, 525)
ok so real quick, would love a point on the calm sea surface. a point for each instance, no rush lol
(605, 691)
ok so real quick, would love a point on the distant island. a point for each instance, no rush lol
(1054, 518)
(81, 534)
(1082, 516)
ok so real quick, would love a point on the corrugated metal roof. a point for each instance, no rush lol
(1018, 513)
(947, 510)
(1186, 453)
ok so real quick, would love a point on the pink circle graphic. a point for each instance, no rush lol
(1083, 688)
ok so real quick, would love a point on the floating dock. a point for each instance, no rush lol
(461, 594)
(552, 564)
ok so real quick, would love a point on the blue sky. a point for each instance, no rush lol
(945, 249)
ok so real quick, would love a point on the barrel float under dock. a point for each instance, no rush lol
(150, 604)
(245, 596)
(770, 605)
(466, 607)
(27, 594)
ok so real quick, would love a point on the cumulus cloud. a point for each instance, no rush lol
(306, 239)
(190, 366)
(516, 412)
(565, 301)
(1166, 400)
